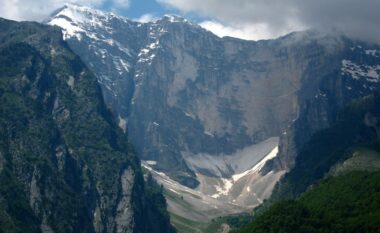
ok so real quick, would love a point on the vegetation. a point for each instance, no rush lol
(347, 203)
(157, 206)
(326, 148)
(61, 152)
(234, 222)
(323, 194)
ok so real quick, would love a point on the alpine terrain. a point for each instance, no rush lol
(65, 166)
(217, 121)
(334, 186)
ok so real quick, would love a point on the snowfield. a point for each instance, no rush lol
(228, 183)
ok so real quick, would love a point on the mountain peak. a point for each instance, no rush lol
(76, 19)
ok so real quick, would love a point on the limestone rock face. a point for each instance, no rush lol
(179, 90)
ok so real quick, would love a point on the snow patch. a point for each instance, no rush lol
(151, 162)
(124, 64)
(320, 94)
(146, 54)
(258, 166)
(209, 133)
(122, 123)
(174, 191)
(68, 28)
(120, 65)
(71, 82)
(153, 45)
(223, 188)
(175, 19)
(357, 72)
(143, 52)
(189, 115)
(372, 52)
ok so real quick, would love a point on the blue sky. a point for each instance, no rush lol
(141, 7)
(136, 8)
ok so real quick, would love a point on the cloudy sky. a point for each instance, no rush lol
(247, 19)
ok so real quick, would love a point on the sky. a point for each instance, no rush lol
(246, 19)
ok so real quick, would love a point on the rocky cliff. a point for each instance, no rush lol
(65, 166)
(335, 172)
(192, 102)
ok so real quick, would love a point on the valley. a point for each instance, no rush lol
(217, 131)
(110, 124)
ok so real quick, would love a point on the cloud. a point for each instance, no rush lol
(146, 18)
(38, 10)
(248, 19)
(355, 18)
(249, 32)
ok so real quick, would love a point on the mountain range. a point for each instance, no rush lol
(206, 110)
(219, 123)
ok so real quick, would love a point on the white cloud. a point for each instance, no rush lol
(146, 18)
(358, 19)
(258, 31)
(39, 9)
(8, 8)
(254, 32)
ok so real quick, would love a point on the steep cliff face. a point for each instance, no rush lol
(182, 93)
(65, 166)
(339, 147)
(335, 173)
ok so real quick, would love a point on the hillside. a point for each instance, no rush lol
(346, 203)
(65, 166)
(357, 125)
(334, 186)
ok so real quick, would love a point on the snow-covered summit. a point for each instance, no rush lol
(76, 19)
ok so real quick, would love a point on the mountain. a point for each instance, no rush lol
(65, 166)
(334, 186)
(222, 116)
(357, 125)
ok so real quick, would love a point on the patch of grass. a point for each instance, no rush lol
(184, 225)
(177, 199)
